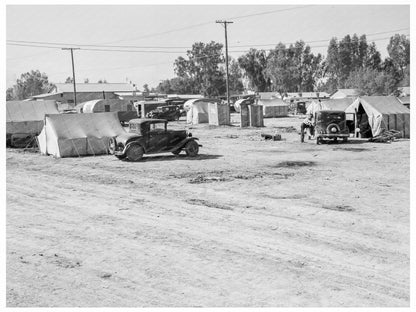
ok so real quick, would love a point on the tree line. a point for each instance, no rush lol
(351, 62)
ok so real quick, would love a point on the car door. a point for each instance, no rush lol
(158, 138)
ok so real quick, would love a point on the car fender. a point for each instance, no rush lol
(132, 143)
(182, 143)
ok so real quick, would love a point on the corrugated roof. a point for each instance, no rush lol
(94, 87)
(386, 104)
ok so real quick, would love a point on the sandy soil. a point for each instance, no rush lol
(248, 222)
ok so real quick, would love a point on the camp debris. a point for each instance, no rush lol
(273, 137)
(386, 136)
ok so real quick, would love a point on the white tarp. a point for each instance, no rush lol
(26, 117)
(67, 135)
(197, 110)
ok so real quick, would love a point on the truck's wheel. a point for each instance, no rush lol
(134, 152)
(191, 148)
(345, 140)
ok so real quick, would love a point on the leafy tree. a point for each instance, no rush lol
(254, 64)
(10, 94)
(86, 80)
(69, 80)
(146, 88)
(332, 65)
(102, 81)
(235, 84)
(373, 58)
(399, 52)
(371, 82)
(293, 69)
(176, 85)
(202, 70)
(30, 84)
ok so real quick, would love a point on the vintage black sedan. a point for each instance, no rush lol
(151, 136)
(331, 125)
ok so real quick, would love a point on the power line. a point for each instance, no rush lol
(208, 23)
(269, 12)
(51, 44)
(169, 52)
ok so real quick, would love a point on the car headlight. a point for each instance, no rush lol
(333, 129)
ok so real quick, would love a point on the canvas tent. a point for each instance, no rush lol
(197, 110)
(26, 117)
(334, 105)
(68, 135)
(24, 120)
(274, 107)
(375, 113)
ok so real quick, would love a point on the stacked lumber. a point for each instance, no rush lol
(386, 136)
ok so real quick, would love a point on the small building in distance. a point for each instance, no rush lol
(63, 93)
(345, 93)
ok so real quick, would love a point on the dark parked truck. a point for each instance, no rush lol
(151, 136)
(331, 125)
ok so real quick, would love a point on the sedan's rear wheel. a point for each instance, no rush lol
(191, 148)
(134, 152)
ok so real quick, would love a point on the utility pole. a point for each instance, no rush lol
(73, 73)
(226, 57)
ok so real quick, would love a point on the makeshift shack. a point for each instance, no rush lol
(375, 113)
(238, 103)
(69, 135)
(24, 120)
(218, 114)
(274, 107)
(197, 110)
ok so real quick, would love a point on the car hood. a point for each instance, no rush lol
(125, 137)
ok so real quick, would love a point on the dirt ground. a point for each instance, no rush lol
(247, 223)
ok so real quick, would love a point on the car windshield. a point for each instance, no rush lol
(329, 117)
(159, 126)
(134, 128)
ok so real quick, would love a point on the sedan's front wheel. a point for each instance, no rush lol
(112, 146)
(191, 148)
(134, 152)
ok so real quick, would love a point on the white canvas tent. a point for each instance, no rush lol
(26, 117)
(375, 113)
(333, 104)
(68, 135)
(197, 110)
(315, 106)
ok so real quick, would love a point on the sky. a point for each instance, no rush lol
(152, 37)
